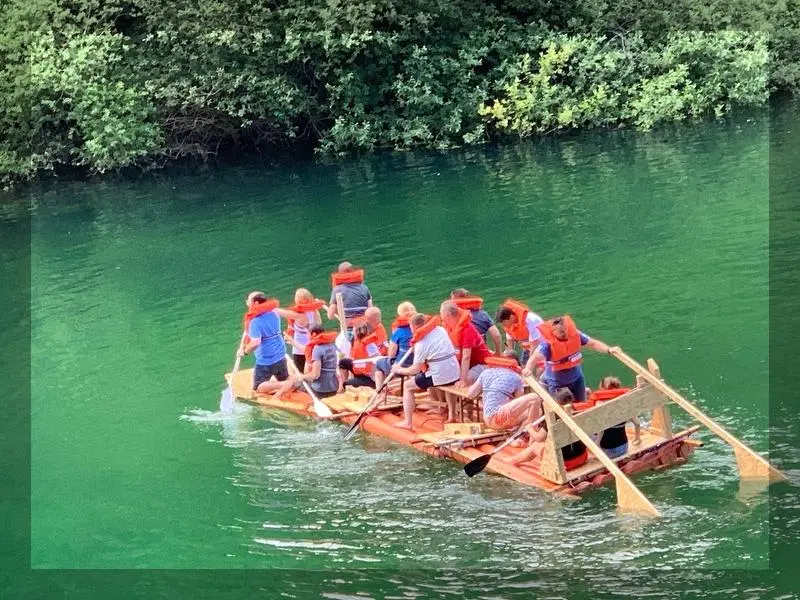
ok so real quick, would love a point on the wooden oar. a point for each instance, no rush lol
(227, 400)
(477, 465)
(629, 497)
(342, 343)
(751, 464)
(322, 409)
(369, 406)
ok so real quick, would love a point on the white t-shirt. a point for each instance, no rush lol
(531, 321)
(437, 350)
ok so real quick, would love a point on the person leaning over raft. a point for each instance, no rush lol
(471, 349)
(480, 318)
(504, 406)
(320, 365)
(561, 350)
(521, 326)
(349, 282)
(399, 342)
(432, 346)
(263, 326)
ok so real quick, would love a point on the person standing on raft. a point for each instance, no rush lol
(263, 326)
(432, 346)
(560, 348)
(521, 326)
(399, 342)
(471, 349)
(480, 318)
(504, 406)
(349, 282)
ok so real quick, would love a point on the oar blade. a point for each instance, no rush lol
(226, 401)
(477, 465)
(343, 344)
(322, 409)
(351, 430)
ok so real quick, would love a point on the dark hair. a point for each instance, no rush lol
(609, 382)
(259, 299)
(459, 293)
(558, 321)
(418, 320)
(564, 396)
(316, 329)
(362, 330)
(503, 314)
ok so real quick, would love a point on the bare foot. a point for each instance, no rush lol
(404, 425)
(451, 420)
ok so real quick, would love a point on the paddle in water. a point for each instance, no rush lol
(369, 406)
(322, 409)
(477, 465)
(227, 400)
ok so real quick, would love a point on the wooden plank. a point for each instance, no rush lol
(661, 420)
(552, 461)
(608, 414)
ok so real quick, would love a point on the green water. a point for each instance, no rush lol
(656, 242)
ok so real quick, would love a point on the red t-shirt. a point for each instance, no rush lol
(470, 338)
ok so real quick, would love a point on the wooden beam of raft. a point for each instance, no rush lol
(629, 497)
(751, 464)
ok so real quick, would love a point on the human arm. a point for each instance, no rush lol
(475, 389)
(466, 355)
(599, 346)
(253, 340)
(410, 370)
(497, 340)
(392, 351)
(535, 357)
(509, 341)
(332, 309)
(312, 373)
(290, 314)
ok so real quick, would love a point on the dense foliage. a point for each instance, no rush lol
(103, 84)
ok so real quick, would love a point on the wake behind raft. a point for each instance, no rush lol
(659, 447)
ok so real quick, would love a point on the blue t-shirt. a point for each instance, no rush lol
(267, 328)
(402, 337)
(565, 376)
(481, 320)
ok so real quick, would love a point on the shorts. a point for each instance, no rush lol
(502, 419)
(360, 381)
(384, 365)
(263, 373)
(577, 387)
(616, 452)
(299, 361)
(425, 382)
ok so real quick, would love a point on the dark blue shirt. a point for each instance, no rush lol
(481, 320)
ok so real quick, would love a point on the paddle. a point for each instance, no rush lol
(369, 406)
(751, 464)
(342, 343)
(227, 400)
(629, 497)
(477, 465)
(322, 409)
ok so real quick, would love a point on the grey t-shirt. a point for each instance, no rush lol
(327, 382)
(355, 297)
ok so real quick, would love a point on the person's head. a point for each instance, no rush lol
(506, 317)
(609, 382)
(316, 329)
(255, 298)
(373, 316)
(564, 396)
(345, 267)
(406, 309)
(459, 293)
(560, 328)
(509, 353)
(417, 321)
(362, 330)
(302, 295)
(448, 311)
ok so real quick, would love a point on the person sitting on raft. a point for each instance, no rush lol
(399, 342)
(614, 440)
(504, 406)
(480, 318)
(432, 346)
(263, 326)
(364, 346)
(574, 454)
(301, 316)
(561, 350)
(349, 282)
(321, 372)
(372, 316)
(521, 326)
(471, 349)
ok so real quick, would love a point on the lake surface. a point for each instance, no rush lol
(658, 242)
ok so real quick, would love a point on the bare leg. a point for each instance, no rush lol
(273, 385)
(379, 377)
(532, 451)
(409, 403)
(637, 431)
(451, 409)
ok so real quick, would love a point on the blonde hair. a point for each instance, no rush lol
(302, 295)
(406, 309)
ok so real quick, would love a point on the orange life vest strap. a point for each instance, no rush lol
(604, 395)
(309, 306)
(399, 322)
(504, 362)
(425, 329)
(468, 302)
(353, 276)
(519, 331)
(564, 354)
(259, 309)
(464, 319)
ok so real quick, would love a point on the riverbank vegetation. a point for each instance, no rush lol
(104, 84)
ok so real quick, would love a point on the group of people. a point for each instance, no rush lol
(429, 352)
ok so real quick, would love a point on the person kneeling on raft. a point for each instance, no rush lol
(432, 346)
(321, 370)
(364, 346)
(614, 440)
(399, 342)
(262, 323)
(504, 406)
(560, 348)
(574, 454)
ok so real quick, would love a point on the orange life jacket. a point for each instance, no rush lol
(303, 307)
(464, 319)
(468, 302)
(326, 337)
(399, 322)
(256, 310)
(360, 351)
(564, 354)
(519, 332)
(504, 362)
(429, 325)
(603, 395)
(354, 276)
(380, 333)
